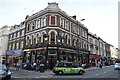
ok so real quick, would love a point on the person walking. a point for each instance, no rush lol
(34, 66)
(100, 64)
(42, 67)
(37, 67)
(17, 66)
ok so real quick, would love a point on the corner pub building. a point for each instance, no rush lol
(52, 36)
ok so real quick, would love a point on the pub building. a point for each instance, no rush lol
(53, 36)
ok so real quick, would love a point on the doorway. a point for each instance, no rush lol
(52, 61)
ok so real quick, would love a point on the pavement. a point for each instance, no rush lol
(87, 69)
(93, 68)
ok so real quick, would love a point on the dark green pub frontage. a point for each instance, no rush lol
(50, 54)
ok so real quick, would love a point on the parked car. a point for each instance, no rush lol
(117, 66)
(68, 68)
(5, 73)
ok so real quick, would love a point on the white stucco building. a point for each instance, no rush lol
(102, 51)
(4, 31)
(93, 43)
(114, 52)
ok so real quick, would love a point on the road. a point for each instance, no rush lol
(107, 72)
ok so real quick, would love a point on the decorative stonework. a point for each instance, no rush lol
(53, 6)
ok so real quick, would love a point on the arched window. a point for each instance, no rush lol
(73, 42)
(77, 42)
(27, 39)
(52, 36)
(37, 38)
(32, 39)
(66, 38)
(44, 36)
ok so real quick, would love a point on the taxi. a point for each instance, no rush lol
(68, 68)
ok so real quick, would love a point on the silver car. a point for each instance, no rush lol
(117, 66)
(5, 73)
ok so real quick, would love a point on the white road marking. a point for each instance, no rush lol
(104, 72)
(15, 77)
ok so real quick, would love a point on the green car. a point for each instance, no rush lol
(68, 68)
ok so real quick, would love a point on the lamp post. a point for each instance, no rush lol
(46, 54)
(78, 44)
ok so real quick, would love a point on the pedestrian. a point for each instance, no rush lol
(42, 67)
(34, 66)
(28, 66)
(97, 64)
(17, 66)
(25, 66)
(100, 64)
(37, 67)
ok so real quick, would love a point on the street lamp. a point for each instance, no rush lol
(82, 19)
(45, 36)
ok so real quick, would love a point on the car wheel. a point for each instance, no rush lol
(81, 72)
(60, 72)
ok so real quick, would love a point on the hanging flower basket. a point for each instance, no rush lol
(74, 58)
(70, 57)
(61, 58)
(43, 57)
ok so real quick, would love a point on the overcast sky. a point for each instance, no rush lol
(101, 16)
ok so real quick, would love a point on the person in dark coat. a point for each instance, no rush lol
(42, 67)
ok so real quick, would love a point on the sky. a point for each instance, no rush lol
(101, 16)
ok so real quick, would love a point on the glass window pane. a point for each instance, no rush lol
(53, 20)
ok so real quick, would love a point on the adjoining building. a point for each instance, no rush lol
(51, 35)
(93, 45)
(114, 53)
(15, 43)
(4, 32)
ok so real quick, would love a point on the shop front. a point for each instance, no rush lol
(94, 59)
(14, 57)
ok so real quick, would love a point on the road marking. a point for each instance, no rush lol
(104, 72)
(14, 77)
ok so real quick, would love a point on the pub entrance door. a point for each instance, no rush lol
(52, 58)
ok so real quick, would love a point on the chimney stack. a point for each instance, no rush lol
(74, 17)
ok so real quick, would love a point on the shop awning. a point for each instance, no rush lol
(9, 53)
(14, 53)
